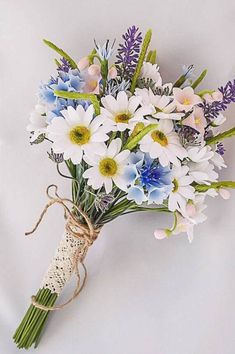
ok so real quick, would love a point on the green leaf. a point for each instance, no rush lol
(153, 58)
(80, 96)
(180, 81)
(227, 134)
(203, 92)
(133, 142)
(143, 52)
(199, 79)
(57, 62)
(183, 77)
(149, 56)
(61, 52)
(214, 185)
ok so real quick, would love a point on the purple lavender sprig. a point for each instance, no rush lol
(228, 92)
(128, 53)
(212, 110)
(64, 66)
(220, 149)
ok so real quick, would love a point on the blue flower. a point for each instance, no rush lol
(137, 194)
(106, 51)
(147, 179)
(71, 81)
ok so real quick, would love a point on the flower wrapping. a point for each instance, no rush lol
(127, 142)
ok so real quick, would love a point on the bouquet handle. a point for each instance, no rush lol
(70, 252)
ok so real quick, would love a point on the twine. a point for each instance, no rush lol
(73, 226)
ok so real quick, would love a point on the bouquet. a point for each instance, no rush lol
(129, 143)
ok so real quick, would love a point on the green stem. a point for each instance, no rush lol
(227, 134)
(182, 78)
(30, 328)
(143, 52)
(203, 92)
(214, 185)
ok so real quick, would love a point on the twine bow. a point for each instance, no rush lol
(77, 229)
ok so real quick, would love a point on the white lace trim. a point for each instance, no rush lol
(62, 265)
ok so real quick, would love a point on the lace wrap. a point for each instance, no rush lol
(63, 263)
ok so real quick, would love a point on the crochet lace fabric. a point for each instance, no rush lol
(63, 263)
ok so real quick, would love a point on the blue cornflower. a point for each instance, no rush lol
(148, 181)
(188, 72)
(106, 51)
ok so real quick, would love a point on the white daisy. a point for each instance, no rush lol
(77, 132)
(218, 161)
(38, 124)
(107, 167)
(202, 172)
(200, 154)
(164, 143)
(123, 112)
(182, 191)
(164, 105)
(151, 71)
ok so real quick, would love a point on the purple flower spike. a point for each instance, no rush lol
(212, 110)
(220, 149)
(228, 92)
(128, 53)
(64, 66)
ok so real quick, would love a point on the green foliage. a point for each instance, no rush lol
(199, 79)
(203, 92)
(61, 52)
(143, 52)
(80, 96)
(152, 57)
(214, 185)
(134, 141)
(180, 81)
(215, 139)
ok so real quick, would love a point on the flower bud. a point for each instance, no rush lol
(94, 70)
(112, 72)
(224, 193)
(83, 63)
(160, 234)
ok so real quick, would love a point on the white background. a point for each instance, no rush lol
(143, 296)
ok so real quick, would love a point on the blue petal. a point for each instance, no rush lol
(136, 158)
(158, 195)
(137, 194)
(130, 174)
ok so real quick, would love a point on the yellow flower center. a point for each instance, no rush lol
(79, 135)
(186, 101)
(159, 137)
(197, 120)
(92, 84)
(176, 185)
(122, 117)
(108, 167)
(158, 110)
